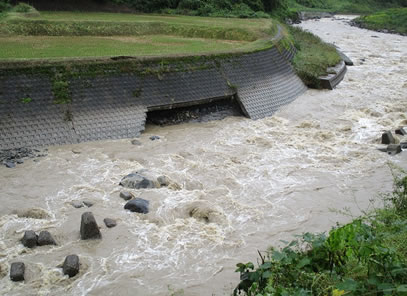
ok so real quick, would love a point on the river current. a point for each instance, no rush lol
(238, 185)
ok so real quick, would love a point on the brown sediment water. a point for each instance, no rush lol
(238, 185)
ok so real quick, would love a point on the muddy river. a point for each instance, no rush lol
(237, 185)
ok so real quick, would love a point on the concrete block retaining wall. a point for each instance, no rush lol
(115, 106)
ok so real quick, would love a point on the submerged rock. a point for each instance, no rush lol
(153, 138)
(89, 227)
(136, 142)
(138, 205)
(387, 138)
(88, 203)
(29, 239)
(45, 238)
(393, 149)
(401, 131)
(33, 213)
(71, 265)
(109, 222)
(126, 195)
(17, 271)
(77, 204)
(10, 164)
(137, 181)
(163, 181)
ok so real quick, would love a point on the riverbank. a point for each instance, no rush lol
(386, 21)
(365, 256)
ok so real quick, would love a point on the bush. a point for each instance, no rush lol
(190, 4)
(22, 8)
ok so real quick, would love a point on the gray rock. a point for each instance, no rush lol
(136, 181)
(387, 138)
(17, 271)
(29, 239)
(163, 180)
(19, 161)
(109, 222)
(126, 195)
(77, 204)
(401, 131)
(89, 227)
(10, 164)
(393, 149)
(71, 265)
(153, 138)
(138, 205)
(45, 238)
(136, 142)
(403, 145)
(88, 203)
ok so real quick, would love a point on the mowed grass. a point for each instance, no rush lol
(259, 27)
(93, 34)
(31, 47)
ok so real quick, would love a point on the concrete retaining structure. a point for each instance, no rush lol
(114, 104)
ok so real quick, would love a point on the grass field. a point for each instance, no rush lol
(29, 47)
(76, 34)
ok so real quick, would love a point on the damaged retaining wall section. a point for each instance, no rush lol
(57, 104)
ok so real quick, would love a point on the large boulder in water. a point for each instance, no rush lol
(29, 239)
(17, 271)
(71, 265)
(138, 180)
(138, 205)
(387, 138)
(89, 227)
(45, 238)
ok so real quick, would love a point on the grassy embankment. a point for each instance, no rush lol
(343, 6)
(313, 57)
(75, 34)
(367, 256)
(393, 20)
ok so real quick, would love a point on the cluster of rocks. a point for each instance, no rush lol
(394, 144)
(70, 267)
(89, 228)
(11, 157)
(31, 239)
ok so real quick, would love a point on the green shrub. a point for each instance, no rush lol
(22, 8)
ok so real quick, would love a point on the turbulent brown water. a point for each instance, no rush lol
(248, 183)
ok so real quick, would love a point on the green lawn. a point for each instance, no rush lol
(78, 34)
(28, 47)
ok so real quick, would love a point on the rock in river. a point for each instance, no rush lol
(17, 271)
(29, 239)
(71, 265)
(387, 138)
(137, 181)
(126, 195)
(109, 222)
(45, 238)
(89, 227)
(138, 205)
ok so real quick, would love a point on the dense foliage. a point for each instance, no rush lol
(365, 257)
